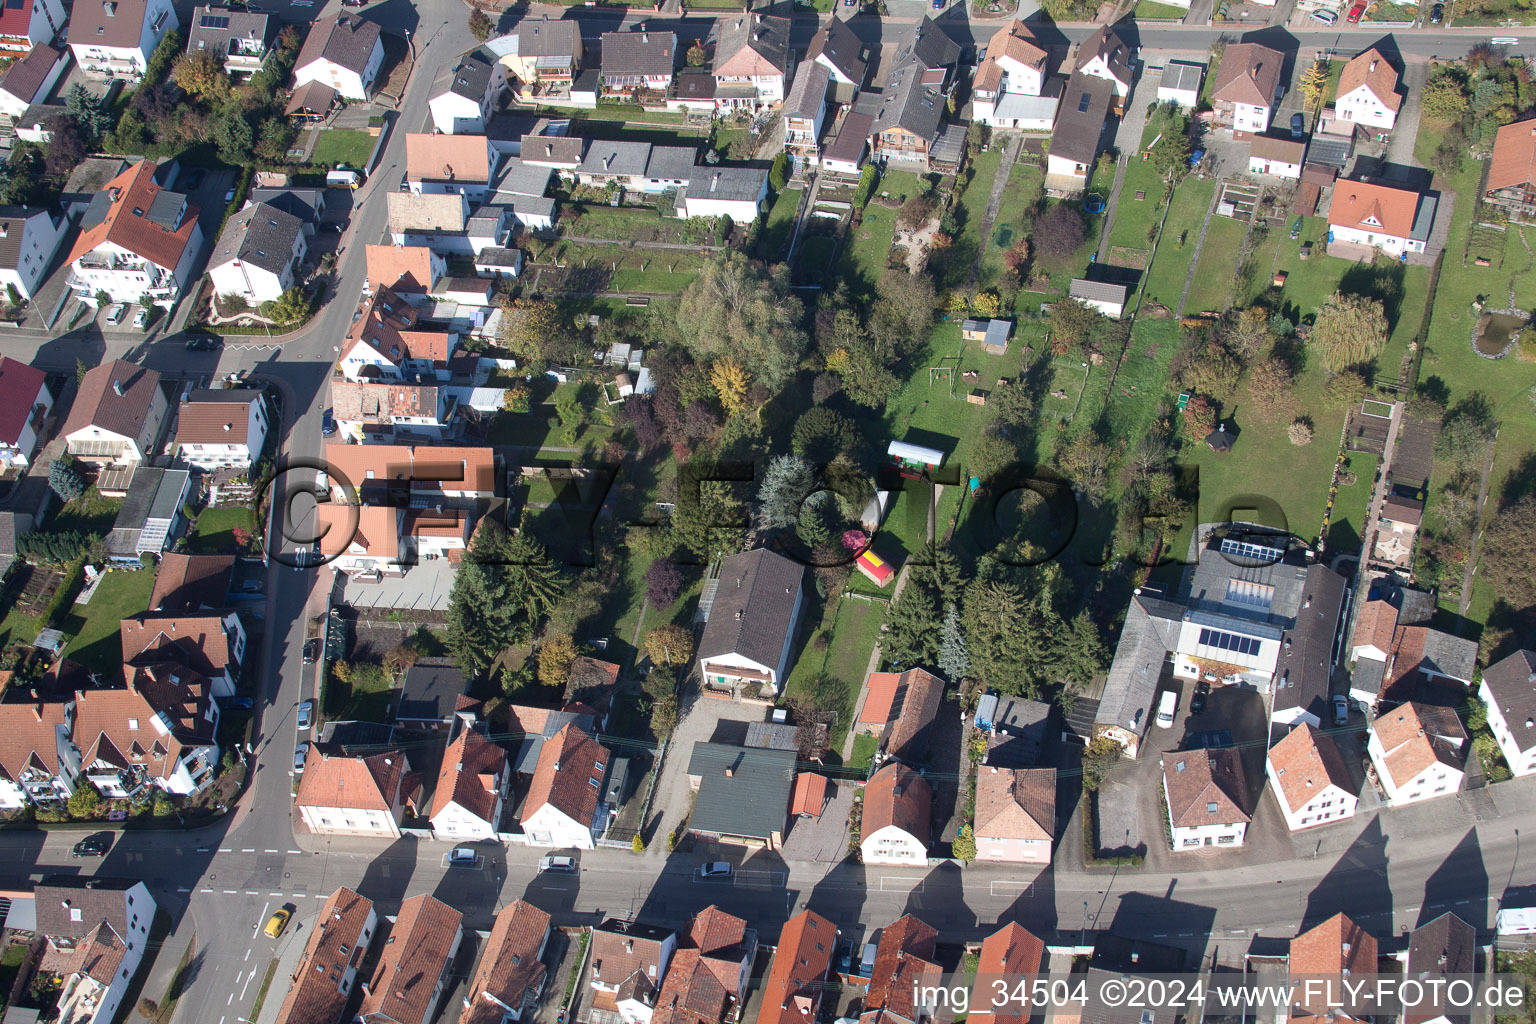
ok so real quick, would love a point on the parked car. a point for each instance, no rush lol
(115, 313)
(1298, 126)
(715, 869)
(1166, 707)
(1355, 13)
(202, 345)
(93, 845)
(241, 703)
(327, 423)
(1325, 17)
(311, 650)
(1437, 14)
(1197, 701)
(277, 922)
(938, 5)
(1341, 710)
(558, 865)
(306, 715)
(299, 754)
(141, 318)
(462, 857)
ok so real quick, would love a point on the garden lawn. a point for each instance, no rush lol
(1015, 214)
(866, 248)
(1346, 528)
(1151, 9)
(95, 627)
(853, 632)
(971, 207)
(214, 533)
(632, 223)
(773, 242)
(1136, 219)
(365, 699)
(1212, 287)
(343, 146)
(89, 513)
(1176, 248)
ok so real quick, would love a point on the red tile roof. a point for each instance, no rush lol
(315, 995)
(1011, 954)
(97, 404)
(1205, 787)
(197, 641)
(792, 993)
(1367, 207)
(880, 691)
(461, 158)
(357, 783)
(424, 938)
(691, 993)
(1371, 70)
(123, 727)
(510, 969)
(715, 933)
(127, 224)
(810, 794)
(405, 268)
(1377, 622)
(29, 738)
(903, 959)
(1016, 804)
(472, 765)
(1514, 156)
(1337, 945)
(568, 762)
(19, 387)
(1305, 763)
(896, 795)
(1414, 736)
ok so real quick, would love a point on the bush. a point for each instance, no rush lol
(637, 844)
(866, 187)
(1300, 433)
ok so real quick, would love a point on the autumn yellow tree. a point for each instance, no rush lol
(730, 381)
(555, 656)
(202, 74)
(1313, 81)
(669, 645)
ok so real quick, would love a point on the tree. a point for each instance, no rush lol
(1006, 634)
(274, 138)
(1058, 232)
(663, 583)
(1346, 388)
(480, 24)
(697, 55)
(202, 74)
(707, 519)
(1085, 462)
(536, 332)
(1351, 330)
(65, 481)
(67, 144)
(1509, 551)
(291, 307)
(1300, 432)
(911, 629)
(954, 661)
(1444, 97)
(964, 845)
(669, 645)
(86, 111)
(739, 309)
(867, 381)
(664, 716)
(1099, 758)
(1245, 333)
(787, 482)
(1313, 83)
(1016, 259)
(822, 434)
(915, 211)
(731, 381)
(1465, 432)
(866, 186)
(232, 135)
(1170, 157)
(554, 658)
(778, 172)
(149, 1008)
(85, 803)
(401, 657)
(1270, 382)
(1072, 323)
(505, 584)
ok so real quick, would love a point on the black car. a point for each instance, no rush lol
(311, 650)
(1197, 701)
(1437, 14)
(194, 179)
(202, 345)
(93, 846)
(327, 423)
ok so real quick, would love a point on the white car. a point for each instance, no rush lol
(298, 759)
(1325, 17)
(306, 715)
(115, 313)
(462, 857)
(141, 318)
(558, 865)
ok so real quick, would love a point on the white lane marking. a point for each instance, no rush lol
(295, 851)
(205, 890)
(183, 890)
(274, 894)
(272, 851)
(252, 892)
(247, 984)
(251, 850)
(247, 953)
(225, 849)
(231, 892)
(261, 920)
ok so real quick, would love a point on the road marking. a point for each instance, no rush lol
(1010, 884)
(272, 851)
(247, 984)
(904, 884)
(231, 892)
(225, 849)
(205, 890)
(772, 879)
(183, 890)
(295, 851)
(274, 894)
(261, 920)
(230, 1000)
(252, 892)
(251, 850)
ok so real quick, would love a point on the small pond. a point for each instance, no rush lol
(1496, 334)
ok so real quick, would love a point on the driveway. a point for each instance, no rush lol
(672, 800)
(1406, 132)
(823, 839)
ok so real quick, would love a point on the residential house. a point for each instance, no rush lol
(410, 272)
(668, 168)
(734, 192)
(592, 684)
(1015, 814)
(902, 708)
(150, 517)
(511, 974)
(97, 931)
(340, 795)
(1305, 660)
(1013, 63)
(390, 411)
(1338, 947)
(629, 961)
(116, 415)
(635, 63)
(427, 534)
(1417, 751)
(39, 765)
(244, 38)
(1207, 797)
(29, 238)
(703, 983)
(114, 38)
(743, 793)
(797, 980)
(321, 983)
(456, 164)
(430, 693)
(894, 828)
(907, 120)
(258, 254)
(221, 429)
(307, 204)
(1105, 55)
(614, 163)
(1011, 955)
(1180, 84)
(1080, 121)
(360, 540)
(12, 525)
(135, 239)
(845, 56)
(805, 112)
(752, 622)
(1309, 779)
(416, 964)
(1280, 157)
(25, 403)
(532, 727)
(1509, 691)
(157, 730)
(1443, 949)
(25, 26)
(547, 57)
(1107, 298)
(29, 79)
(1511, 182)
(559, 153)
(471, 789)
(1367, 92)
(1392, 220)
(1248, 87)
(311, 102)
(1409, 655)
(211, 645)
(903, 958)
(436, 222)
(1016, 729)
(192, 583)
(752, 60)
(342, 52)
(464, 96)
(565, 807)
(400, 475)
(387, 342)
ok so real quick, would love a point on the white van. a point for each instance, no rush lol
(343, 178)
(1166, 708)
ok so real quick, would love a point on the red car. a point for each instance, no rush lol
(1354, 14)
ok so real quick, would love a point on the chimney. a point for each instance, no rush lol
(645, 37)
(730, 773)
(110, 7)
(715, 181)
(117, 388)
(629, 945)
(37, 710)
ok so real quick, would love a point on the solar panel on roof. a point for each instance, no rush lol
(1258, 552)
(215, 21)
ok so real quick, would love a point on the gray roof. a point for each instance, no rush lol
(496, 256)
(694, 84)
(1449, 655)
(24, 79)
(754, 607)
(169, 493)
(765, 35)
(11, 523)
(346, 41)
(468, 78)
(1243, 588)
(541, 37)
(555, 150)
(752, 801)
(773, 735)
(1444, 947)
(213, 27)
(909, 104)
(639, 53)
(1021, 725)
(1512, 683)
(165, 209)
(304, 203)
(487, 222)
(733, 184)
(927, 47)
(139, 497)
(260, 235)
(1022, 105)
(519, 178)
(843, 49)
(670, 163)
(532, 206)
(409, 211)
(1368, 675)
(1424, 218)
(1182, 75)
(1329, 152)
(429, 692)
(617, 158)
(97, 898)
(1305, 665)
(1081, 117)
(1099, 291)
(808, 93)
(1108, 44)
(1145, 641)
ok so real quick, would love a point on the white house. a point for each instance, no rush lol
(360, 539)
(454, 164)
(752, 58)
(209, 644)
(1417, 751)
(805, 111)
(386, 343)
(26, 25)
(352, 796)
(30, 78)
(168, 714)
(1080, 121)
(135, 239)
(257, 254)
(734, 192)
(116, 415)
(1180, 84)
(1367, 93)
(471, 788)
(342, 52)
(1248, 87)
(764, 590)
(385, 411)
(1309, 779)
(244, 38)
(565, 807)
(1207, 798)
(38, 763)
(1279, 157)
(98, 925)
(1105, 55)
(221, 429)
(324, 977)
(1010, 90)
(1015, 814)
(1509, 691)
(895, 826)
(463, 97)
(1107, 298)
(629, 961)
(1393, 220)
(25, 403)
(114, 38)
(28, 241)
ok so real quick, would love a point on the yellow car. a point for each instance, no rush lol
(276, 923)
